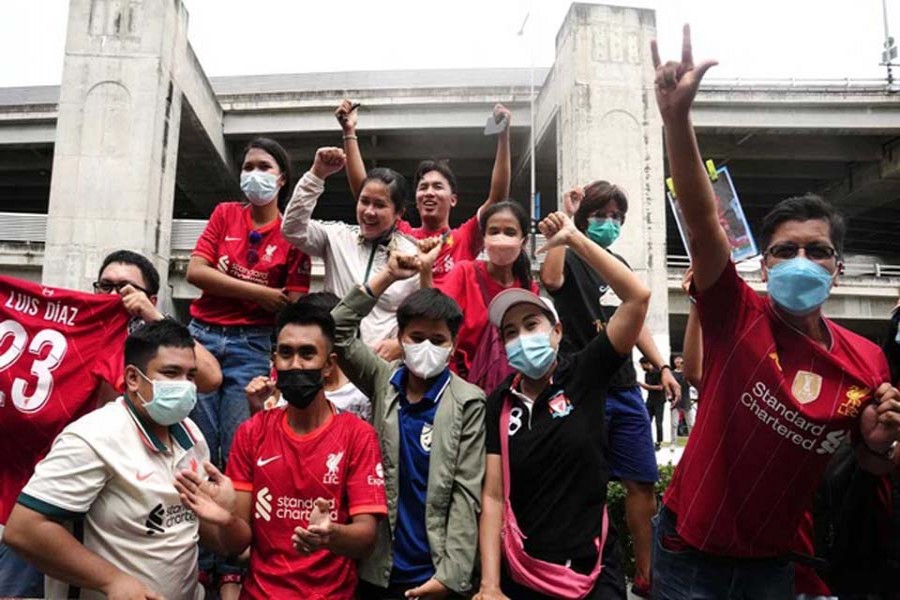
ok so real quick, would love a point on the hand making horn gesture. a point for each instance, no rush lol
(677, 82)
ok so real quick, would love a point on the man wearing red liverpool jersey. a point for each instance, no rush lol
(309, 482)
(782, 386)
(436, 193)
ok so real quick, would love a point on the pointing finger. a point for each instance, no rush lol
(654, 51)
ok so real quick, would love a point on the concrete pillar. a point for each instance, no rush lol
(116, 137)
(608, 127)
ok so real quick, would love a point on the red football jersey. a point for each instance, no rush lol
(462, 284)
(260, 255)
(56, 346)
(286, 472)
(463, 243)
(774, 408)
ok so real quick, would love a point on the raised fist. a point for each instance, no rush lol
(328, 161)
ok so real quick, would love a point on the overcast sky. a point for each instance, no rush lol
(751, 39)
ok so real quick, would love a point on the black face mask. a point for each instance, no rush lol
(299, 386)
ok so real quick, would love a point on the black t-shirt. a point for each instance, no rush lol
(685, 403)
(558, 453)
(586, 303)
(654, 377)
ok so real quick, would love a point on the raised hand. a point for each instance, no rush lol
(346, 116)
(429, 248)
(388, 349)
(328, 161)
(502, 113)
(572, 200)
(677, 82)
(258, 391)
(138, 304)
(558, 229)
(402, 266)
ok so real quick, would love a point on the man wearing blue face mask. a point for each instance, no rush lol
(101, 516)
(782, 386)
(586, 304)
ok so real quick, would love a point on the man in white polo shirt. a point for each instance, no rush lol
(101, 516)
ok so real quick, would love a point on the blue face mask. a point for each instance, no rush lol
(532, 355)
(603, 232)
(172, 401)
(799, 285)
(260, 188)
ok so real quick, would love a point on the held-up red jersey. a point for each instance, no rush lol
(56, 346)
(460, 244)
(267, 259)
(286, 472)
(775, 407)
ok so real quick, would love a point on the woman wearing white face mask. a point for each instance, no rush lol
(247, 272)
(479, 357)
(431, 427)
(546, 470)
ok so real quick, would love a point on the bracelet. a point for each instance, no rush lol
(664, 367)
(887, 454)
(350, 137)
(368, 290)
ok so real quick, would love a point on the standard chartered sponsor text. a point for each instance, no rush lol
(787, 422)
(298, 509)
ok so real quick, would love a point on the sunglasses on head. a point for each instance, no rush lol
(814, 251)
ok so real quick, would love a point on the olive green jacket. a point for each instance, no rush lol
(456, 465)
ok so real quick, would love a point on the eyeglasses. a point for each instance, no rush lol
(104, 286)
(255, 238)
(789, 250)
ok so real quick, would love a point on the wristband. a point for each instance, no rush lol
(664, 367)
(350, 137)
(368, 290)
(887, 454)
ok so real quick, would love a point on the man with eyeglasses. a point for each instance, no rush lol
(782, 386)
(136, 280)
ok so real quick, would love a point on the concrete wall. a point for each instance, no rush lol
(116, 137)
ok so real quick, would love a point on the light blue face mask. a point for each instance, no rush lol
(603, 232)
(260, 188)
(799, 285)
(532, 355)
(172, 401)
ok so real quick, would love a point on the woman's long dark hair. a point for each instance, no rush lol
(522, 267)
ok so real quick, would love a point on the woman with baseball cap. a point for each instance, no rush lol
(546, 472)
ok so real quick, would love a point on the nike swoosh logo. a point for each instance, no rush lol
(143, 477)
(260, 462)
(232, 239)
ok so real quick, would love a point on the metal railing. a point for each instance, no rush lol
(32, 228)
(852, 268)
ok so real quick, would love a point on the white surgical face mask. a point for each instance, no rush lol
(172, 400)
(260, 188)
(424, 359)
